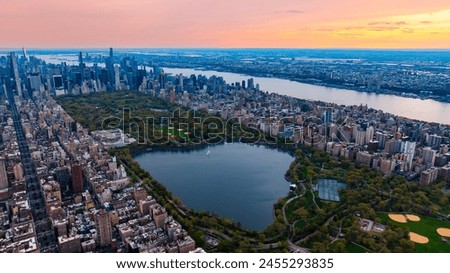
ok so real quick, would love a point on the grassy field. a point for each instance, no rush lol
(426, 227)
(353, 248)
(173, 132)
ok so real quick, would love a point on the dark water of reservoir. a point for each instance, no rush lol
(238, 181)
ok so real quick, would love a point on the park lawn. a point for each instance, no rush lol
(173, 132)
(353, 248)
(427, 227)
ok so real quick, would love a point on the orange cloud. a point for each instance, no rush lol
(202, 23)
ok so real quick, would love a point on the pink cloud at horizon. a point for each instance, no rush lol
(204, 23)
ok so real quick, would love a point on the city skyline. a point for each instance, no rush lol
(253, 24)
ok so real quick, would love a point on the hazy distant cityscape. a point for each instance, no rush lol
(63, 188)
(418, 74)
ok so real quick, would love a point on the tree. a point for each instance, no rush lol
(319, 247)
(227, 246)
(338, 246)
(301, 213)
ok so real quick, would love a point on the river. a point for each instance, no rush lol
(426, 110)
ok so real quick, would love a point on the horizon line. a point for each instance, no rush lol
(230, 48)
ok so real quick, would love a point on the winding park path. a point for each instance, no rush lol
(292, 246)
(338, 233)
(215, 232)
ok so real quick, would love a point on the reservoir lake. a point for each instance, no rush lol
(238, 181)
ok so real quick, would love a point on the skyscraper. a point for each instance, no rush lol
(250, 83)
(434, 141)
(117, 77)
(80, 58)
(369, 134)
(24, 51)
(82, 66)
(180, 78)
(410, 148)
(162, 79)
(15, 73)
(62, 175)
(111, 69)
(104, 230)
(327, 116)
(3, 175)
(381, 138)
(58, 82)
(77, 178)
(34, 81)
(429, 156)
(360, 137)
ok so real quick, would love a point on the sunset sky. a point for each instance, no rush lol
(243, 23)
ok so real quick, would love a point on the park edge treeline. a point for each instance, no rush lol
(306, 221)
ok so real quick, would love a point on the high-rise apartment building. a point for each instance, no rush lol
(410, 148)
(429, 156)
(77, 178)
(369, 134)
(104, 230)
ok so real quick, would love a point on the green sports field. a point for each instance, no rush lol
(425, 227)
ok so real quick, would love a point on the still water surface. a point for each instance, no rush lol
(238, 181)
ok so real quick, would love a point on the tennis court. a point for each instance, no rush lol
(329, 189)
